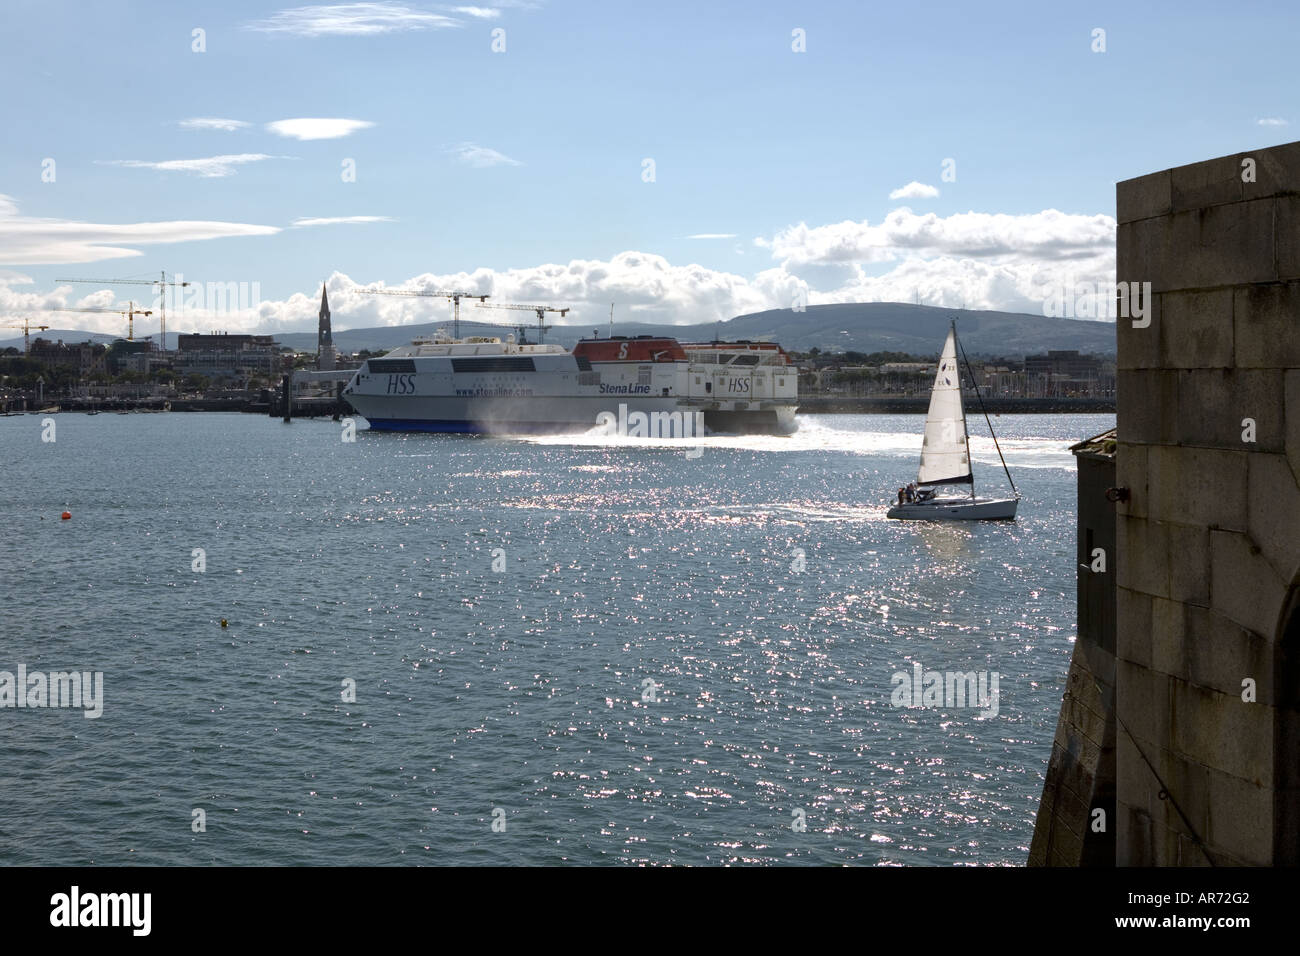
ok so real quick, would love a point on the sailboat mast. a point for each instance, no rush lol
(964, 430)
(987, 420)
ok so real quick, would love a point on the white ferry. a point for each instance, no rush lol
(483, 384)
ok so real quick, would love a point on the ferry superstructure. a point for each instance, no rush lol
(484, 384)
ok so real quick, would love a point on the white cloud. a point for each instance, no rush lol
(644, 285)
(1049, 234)
(481, 13)
(980, 261)
(471, 154)
(1273, 121)
(305, 128)
(976, 260)
(713, 235)
(336, 220)
(30, 241)
(207, 122)
(351, 19)
(968, 283)
(209, 167)
(915, 190)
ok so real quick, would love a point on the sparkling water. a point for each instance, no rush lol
(449, 649)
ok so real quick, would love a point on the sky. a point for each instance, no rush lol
(686, 162)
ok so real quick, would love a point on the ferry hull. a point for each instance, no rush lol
(767, 421)
(469, 428)
(957, 509)
(536, 415)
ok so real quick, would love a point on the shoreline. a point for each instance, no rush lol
(316, 408)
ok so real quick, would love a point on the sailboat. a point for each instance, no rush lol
(945, 455)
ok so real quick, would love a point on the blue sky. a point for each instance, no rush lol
(521, 173)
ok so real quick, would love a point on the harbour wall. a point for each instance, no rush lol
(1207, 523)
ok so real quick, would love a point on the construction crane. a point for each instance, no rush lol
(27, 327)
(130, 312)
(160, 284)
(541, 311)
(454, 296)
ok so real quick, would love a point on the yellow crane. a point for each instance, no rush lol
(130, 312)
(541, 311)
(27, 327)
(454, 296)
(160, 284)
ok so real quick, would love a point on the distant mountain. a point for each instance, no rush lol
(69, 337)
(860, 327)
(920, 329)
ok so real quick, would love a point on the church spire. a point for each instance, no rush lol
(324, 335)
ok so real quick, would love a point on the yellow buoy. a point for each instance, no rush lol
(223, 622)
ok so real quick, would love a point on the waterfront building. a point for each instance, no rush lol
(221, 355)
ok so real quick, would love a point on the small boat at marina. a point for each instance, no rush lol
(945, 456)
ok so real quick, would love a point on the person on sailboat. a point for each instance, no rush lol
(901, 492)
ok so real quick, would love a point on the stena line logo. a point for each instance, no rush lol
(76, 909)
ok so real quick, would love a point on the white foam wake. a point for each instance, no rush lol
(817, 435)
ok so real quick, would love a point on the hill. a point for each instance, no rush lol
(920, 329)
(860, 326)
(69, 337)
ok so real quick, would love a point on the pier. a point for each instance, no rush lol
(310, 395)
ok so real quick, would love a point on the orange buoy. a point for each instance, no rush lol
(67, 515)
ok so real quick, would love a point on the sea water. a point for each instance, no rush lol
(424, 649)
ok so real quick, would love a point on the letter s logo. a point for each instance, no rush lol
(622, 351)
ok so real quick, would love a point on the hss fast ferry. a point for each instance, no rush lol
(484, 384)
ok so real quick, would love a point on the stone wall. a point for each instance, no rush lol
(1209, 540)
(1075, 825)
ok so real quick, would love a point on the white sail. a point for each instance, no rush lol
(945, 455)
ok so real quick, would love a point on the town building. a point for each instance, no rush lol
(221, 355)
(85, 357)
(1062, 373)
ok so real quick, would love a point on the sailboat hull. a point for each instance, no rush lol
(957, 509)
